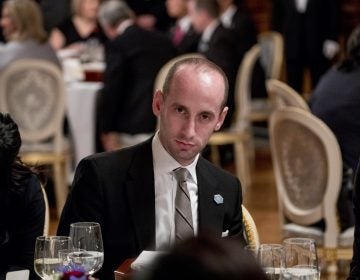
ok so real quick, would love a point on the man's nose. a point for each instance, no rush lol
(189, 127)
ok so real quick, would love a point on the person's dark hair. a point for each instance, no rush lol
(211, 6)
(352, 58)
(206, 257)
(202, 64)
(13, 173)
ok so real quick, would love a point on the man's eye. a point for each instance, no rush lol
(180, 110)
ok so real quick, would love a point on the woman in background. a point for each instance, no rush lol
(22, 26)
(22, 205)
(82, 26)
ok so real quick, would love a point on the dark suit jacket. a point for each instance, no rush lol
(189, 42)
(117, 190)
(222, 51)
(304, 34)
(244, 32)
(133, 60)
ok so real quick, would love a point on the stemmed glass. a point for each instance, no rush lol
(88, 246)
(46, 257)
(270, 257)
(300, 259)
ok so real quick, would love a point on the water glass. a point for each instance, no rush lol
(87, 241)
(270, 257)
(300, 259)
(46, 256)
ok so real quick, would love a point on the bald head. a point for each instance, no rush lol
(201, 67)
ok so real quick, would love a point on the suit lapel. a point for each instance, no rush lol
(141, 196)
(211, 214)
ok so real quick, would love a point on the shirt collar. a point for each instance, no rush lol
(227, 16)
(209, 30)
(184, 23)
(124, 25)
(164, 163)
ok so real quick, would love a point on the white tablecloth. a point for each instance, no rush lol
(81, 98)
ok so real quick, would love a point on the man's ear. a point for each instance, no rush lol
(158, 101)
(221, 118)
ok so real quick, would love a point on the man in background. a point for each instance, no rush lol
(133, 58)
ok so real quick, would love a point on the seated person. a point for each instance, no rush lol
(205, 257)
(162, 191)
(22, 205)
(22, 26)
(82, 26)
(336, 102)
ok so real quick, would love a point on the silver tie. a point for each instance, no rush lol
(183, 215)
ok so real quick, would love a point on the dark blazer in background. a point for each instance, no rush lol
(304, 34)
(221, 49)
(133, 60)
(116, 189)
(189, 42)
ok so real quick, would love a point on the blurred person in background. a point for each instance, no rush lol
(182, 33)
(133, 58)
(22, 205)
(336, 100)
(79, 28)
(22, 27)
(310, 30)
(150, 14)
(216, 43)
(204, 257)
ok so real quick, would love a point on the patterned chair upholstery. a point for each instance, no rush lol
(32, 91)
(250, 230)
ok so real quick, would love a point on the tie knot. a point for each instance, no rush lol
(181, 174)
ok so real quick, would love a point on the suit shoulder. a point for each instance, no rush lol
(216, 171)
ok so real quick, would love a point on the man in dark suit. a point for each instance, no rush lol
(132, 192)
(217, 43)
(133, 58)
(182, 34)
(310, 32)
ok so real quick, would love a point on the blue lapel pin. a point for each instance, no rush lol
(218, 199)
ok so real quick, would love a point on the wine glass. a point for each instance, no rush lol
(87, 242)
(300, 259)
(270, 257)
(46, 256)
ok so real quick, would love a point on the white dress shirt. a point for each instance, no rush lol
(207, 34)
(184, 23)
(227, 16)
(301, 5)
(165, 191)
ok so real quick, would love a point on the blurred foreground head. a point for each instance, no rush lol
(205, 257)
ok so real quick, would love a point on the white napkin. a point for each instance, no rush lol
(18, 275)
(145, 259)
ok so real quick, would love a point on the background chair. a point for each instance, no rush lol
(250, 231)
(47, 212)
(283, 95)
(32, 91)
(308, 172)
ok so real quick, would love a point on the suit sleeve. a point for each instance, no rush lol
(355, 263)
(85, 201)
(236, 230)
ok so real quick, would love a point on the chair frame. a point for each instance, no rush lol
(250, 230)
(53, 129)
(283, 95)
